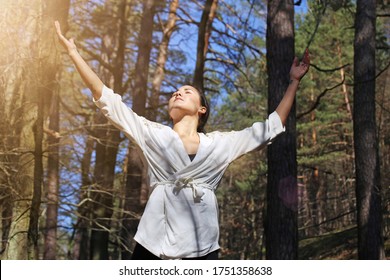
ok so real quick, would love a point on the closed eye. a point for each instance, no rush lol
(188, 91)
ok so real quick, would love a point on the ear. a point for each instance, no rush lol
(202, 110)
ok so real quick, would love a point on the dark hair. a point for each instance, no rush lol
(204, 102)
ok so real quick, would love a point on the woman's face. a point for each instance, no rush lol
(185, 101)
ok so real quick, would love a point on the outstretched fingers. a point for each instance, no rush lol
(69, 45)
(300, 68)
(62, 38)
(306, 57)
(58, 28)
(296, 61)
(305, 63)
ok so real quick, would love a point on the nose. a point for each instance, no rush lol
(177, 93)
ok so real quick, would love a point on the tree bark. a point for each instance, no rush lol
(23, 231)
(162, 59)
(143, 58)
(22, 183)
(368, 189)
(81, 247)
(204, 34)
(281, 224)
(107, 147)
(50, 90)
(102, 194)
(135, 166)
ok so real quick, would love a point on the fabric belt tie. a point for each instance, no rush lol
(181, 183)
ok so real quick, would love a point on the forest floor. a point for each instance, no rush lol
(340, 245)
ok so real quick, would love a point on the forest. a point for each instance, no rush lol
(72, 187)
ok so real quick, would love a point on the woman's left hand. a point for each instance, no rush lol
(69, 45)
(299, 69)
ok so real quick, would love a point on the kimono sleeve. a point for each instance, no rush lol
(251, 138)
(121, 116)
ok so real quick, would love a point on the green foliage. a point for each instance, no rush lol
(325, 133)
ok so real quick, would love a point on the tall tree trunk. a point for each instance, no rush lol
(162, 59)
(107, 148)
(281, 225)
(368, 190)
(133, 207)
(143, 58)
(204, 34)
(315, 179)
(81, 247)
(41, 95)
(344, 85)
(33, 229)
(5, 174)
(135, 167)
(50, 247)
(11, 122)
(102, 194)
(50, 90)
(23, 232)
(44, 85)
(20, 196)
(14, 124)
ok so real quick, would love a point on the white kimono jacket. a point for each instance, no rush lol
(181, 217)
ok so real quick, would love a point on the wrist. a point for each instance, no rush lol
(294, 80)
(73, 52)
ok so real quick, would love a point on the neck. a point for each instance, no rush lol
(187, 126)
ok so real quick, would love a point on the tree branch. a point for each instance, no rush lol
(317, 102)
(329, 70)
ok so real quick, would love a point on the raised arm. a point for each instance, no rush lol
(297, 71)
(89, 77)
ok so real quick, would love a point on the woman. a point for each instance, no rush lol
(185, 166)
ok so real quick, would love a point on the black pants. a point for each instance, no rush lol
(141, 253)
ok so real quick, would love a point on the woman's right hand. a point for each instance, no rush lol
(69, 45)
